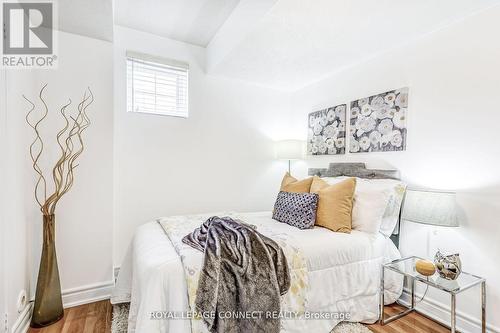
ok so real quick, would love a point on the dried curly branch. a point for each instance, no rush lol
(35, 156)
(71, 145)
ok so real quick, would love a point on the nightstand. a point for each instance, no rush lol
(406, 267)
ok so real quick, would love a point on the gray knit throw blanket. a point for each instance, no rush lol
(244, 272)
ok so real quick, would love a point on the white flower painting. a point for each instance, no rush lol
(326, 135)
(378, 123)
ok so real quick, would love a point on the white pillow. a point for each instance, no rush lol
(377, 203)
(396, 190)
(368, 208)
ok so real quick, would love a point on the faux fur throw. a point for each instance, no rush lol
(243, 276)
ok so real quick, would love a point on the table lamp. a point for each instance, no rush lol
(438, 209)
(431, 207)
(289, 150)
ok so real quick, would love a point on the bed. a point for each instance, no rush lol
(337, 274)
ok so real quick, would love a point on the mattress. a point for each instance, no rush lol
(343, 276)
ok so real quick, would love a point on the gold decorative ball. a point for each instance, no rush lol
(425, 267)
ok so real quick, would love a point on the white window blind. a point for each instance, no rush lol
(156, 85)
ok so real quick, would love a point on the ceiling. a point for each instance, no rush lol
(191, 21)
(298, 42)
(284, 44)
(91, 18)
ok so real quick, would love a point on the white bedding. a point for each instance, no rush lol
(343, 274)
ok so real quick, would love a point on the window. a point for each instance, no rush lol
(155, 85)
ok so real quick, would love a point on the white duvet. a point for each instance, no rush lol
(343, 276)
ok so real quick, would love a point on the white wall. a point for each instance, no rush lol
(84, 216)
(453, 128)
(220, 158)
(3, 287)
(3, 150)
(17, 261)
(3, 193)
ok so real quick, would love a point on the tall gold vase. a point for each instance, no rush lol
(48, 301)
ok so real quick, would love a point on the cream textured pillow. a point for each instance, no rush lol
(335, 204)
(291, 184)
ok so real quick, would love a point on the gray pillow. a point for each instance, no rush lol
(296, 209)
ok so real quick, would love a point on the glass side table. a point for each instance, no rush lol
(406, 267)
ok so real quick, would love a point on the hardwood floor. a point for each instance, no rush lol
(411, 323)
(96, 318)
(87, 318)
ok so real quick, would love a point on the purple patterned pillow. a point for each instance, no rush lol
(296, 209)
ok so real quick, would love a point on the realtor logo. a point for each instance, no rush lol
(28, 35)
(27, 28)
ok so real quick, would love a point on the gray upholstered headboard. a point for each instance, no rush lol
(353, 170)
(358, 170)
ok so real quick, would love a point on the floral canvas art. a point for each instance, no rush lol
(326, 135)
(378, 123)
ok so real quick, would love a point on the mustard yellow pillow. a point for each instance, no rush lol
(291, 184)
(335, 204)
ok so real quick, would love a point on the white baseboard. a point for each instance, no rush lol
(441, 313)
(87, 294)
(23, 321)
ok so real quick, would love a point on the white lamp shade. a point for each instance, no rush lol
(431, 207)
(289, 149)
